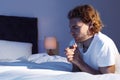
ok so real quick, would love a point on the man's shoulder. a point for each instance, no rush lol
(104, 39)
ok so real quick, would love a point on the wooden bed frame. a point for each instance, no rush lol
(22, 29)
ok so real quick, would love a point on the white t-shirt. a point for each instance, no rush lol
(101, 52)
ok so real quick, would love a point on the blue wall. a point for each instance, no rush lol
(52, 17)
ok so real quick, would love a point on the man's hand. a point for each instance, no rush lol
(73, 54)
(69, 51)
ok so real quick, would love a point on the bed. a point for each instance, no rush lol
(20, 59)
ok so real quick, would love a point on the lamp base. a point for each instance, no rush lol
(51, 52)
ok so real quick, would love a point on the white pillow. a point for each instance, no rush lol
(14, 50)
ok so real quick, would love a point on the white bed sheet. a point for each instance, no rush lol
(23, 73)
(27, 70)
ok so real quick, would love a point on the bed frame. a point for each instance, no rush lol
(22, 29)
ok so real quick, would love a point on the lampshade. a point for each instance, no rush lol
(50, 42)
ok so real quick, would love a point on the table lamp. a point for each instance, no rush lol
(50, 44)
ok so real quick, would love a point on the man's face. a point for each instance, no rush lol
(79, 30)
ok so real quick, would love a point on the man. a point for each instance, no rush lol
(91, 51)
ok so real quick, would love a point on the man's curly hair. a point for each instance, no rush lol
(87, 14)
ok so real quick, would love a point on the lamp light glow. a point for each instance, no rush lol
(50, 44)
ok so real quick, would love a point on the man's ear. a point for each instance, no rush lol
(90, 24)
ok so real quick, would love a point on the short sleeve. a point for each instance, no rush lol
(107, 55)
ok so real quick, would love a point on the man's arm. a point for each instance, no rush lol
(108, 69)
(79, 63)
(75, 68)
(86, 68)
